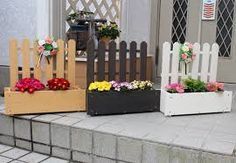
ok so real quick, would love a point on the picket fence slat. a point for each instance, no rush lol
(49, 69)
(37, 70)
(175, 63)
(90, 61)
(214, 61)
(60, 65)
(133, 55)
(195, 66)
(165, 64)
(13, 63)
(101, 61)
(71, 62)
(112, 61)
(143, 62)
(205, 62)
(122, 58)
(26, 58)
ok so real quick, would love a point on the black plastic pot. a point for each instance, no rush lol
(106, 103)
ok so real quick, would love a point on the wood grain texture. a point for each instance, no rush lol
(26, 58)
(37, 70)
(122, 58)
(143, 57)
(71, 62)
(101, 61)
(112, 61)
(90, 61)
(133, 59)
(60, 59)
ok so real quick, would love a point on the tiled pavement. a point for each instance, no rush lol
(131, 138)
(16, 155)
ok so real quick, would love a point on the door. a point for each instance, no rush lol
(181, 20)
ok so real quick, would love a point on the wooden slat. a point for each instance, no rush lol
(71, 62)
(133, 57)
(37, 70)
(90, 61)
(214, 61)
(143, 61)
(205, 62)
(101, 61)
(175, 63)
(60, 61)
(166, 52)
(13, 63)
(26, 58)
(195, 66)
(112, 61)
(122, 58)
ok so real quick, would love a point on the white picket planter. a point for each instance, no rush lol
(204, 67)
(195, 103)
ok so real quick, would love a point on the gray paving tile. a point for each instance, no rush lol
(17, 161)
(4, 148)
(15, 153)
(66, 121)
(4, 159)
(41, 132)
(47, 117)
(33, 157)
(22, 128)
(79, 115)
(6, 126)
(23, 144)
(60, 135)
(55, 160)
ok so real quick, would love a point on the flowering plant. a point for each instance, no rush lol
(175, 88)
(120, 86)
(109, 30)
(29, 84)
(214, 87)
(194, 85)
(46, 49)
(186, 53)
(100, 86)
(58, 84)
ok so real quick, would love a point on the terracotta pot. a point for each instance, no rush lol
(106, 40)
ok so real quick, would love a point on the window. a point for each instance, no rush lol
(179, 20)
(225, 26)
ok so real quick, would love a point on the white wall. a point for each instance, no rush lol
(135, 20)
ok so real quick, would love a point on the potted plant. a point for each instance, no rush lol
(108, 32)
(113, 97)
(195, 96)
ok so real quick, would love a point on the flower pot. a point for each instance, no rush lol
(106, 40)
(105, 103)
(195, 103)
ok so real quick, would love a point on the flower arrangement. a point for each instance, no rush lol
(58, 84)
(193, 85)
(186, 53)
(30, 85)
(46, 49)
(120, 86)
(109, 31)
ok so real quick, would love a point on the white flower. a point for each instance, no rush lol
(185, 48)
(41, 42)
(54, 44)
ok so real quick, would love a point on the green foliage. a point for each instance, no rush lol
(193, 85)
(110, 31)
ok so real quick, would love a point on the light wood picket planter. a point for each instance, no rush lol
(192, 103)
(45, 101)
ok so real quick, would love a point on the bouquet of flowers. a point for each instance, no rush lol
(186, 53)
(46, 49)
(100, 86)
(58, 84)
(214, 87)
(121, 86)
(175, 88)
(30, 85)
(143, 85)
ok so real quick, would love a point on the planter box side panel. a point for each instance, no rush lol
(120, 103)
(44, 101)
(193, 103)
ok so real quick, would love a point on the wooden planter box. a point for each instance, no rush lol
(195, 103)
(44, 101)
(105, 103)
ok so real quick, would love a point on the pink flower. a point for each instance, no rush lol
(184, 56)
(179, 89)
(40, 49)
(220, 86)
(175, 88)
(190, 46)
(48, 40)
(214, 86)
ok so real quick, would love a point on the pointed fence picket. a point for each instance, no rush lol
(203, 67)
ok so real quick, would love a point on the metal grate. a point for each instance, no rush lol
(179, 20)
(225, 27)
(106, 9)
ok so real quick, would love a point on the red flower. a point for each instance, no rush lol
(30, 85)
(58, 84)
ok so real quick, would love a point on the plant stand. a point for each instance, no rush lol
(105, 103)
